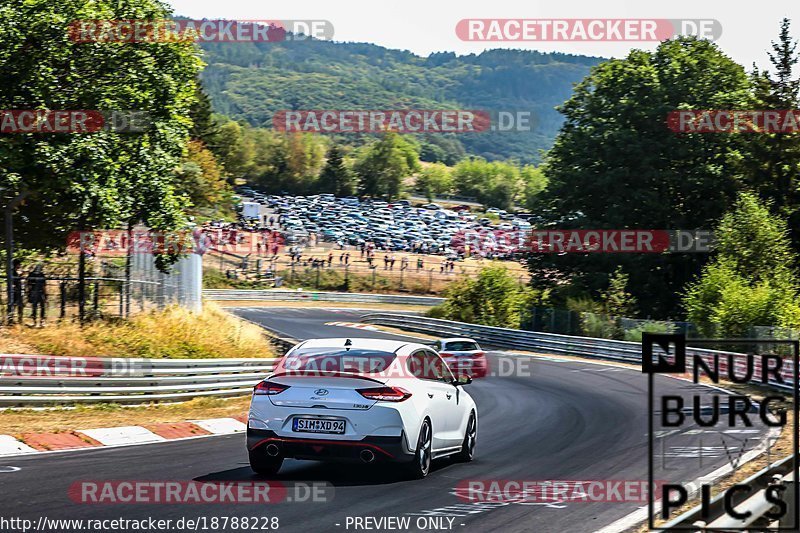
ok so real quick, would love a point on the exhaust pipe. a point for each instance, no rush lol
(367, 456)
(273, 450)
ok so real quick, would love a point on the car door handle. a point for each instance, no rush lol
(449, 396)
(430, 395)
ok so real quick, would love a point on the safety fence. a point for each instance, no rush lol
(322, 296)
(751, 505)
(110, 288)
(326, 268)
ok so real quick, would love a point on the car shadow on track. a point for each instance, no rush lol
(337, 474)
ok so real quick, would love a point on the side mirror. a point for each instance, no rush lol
(463, 379)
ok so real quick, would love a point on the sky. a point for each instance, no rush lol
(425, 26)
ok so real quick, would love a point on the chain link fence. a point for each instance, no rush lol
(107, 289)
(586, 324)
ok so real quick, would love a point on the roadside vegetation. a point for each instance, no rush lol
(494, 298)
(171, 333)
(634, 172)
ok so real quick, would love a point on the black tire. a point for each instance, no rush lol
(263, 464)
(470, 440)
(421, 465)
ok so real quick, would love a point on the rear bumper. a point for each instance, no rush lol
(392, 449)
(476, 368)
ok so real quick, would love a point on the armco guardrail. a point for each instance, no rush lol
(779, 473)
(552, 343)
(148, 380)
(322, 296)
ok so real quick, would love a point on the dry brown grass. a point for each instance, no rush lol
(171, 333)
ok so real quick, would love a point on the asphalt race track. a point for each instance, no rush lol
(567, 420)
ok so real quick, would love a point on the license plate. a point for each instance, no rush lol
(318, 425)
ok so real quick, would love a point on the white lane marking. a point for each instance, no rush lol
(220, 426)
(8, 469)
(122, 435)
(691, 452)
(11, 446)
(614, 369)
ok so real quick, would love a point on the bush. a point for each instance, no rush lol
(494, 298)
(598, 325)
(635, 334)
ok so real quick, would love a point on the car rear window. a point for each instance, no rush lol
(460, 346)
(334, 360)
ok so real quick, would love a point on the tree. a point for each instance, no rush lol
(433, 180)
(535, 183)
(774, 160)
(751, 281)
(617, 301)
(201, 179)
(616, 165)
(384, 165)
(335, 177)
(106, 178)
(234, 151)
(495, 183)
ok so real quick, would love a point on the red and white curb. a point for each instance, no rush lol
(35, 443)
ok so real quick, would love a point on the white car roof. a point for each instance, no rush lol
(458, 339)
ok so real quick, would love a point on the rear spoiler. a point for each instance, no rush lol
(318, 373)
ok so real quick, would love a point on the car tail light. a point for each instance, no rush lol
(269, 388)
(386, 394)
(478, 354)
(445, 354)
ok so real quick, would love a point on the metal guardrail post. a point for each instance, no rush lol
(63, 292)
(96, 297)
(789, 498)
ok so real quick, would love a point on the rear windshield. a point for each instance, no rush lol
(460, 346)
(327, 360)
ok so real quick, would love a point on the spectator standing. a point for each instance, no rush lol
(37, 294)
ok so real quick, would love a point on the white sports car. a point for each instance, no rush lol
(363, 399)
